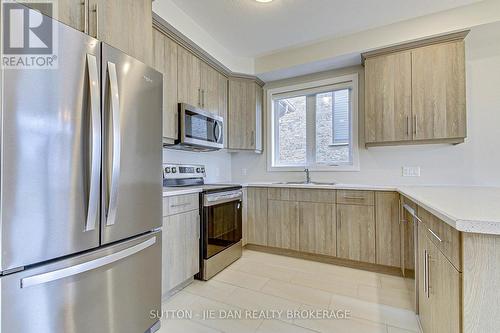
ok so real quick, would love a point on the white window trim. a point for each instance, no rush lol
(351, 79)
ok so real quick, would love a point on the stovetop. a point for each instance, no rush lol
(191, 175)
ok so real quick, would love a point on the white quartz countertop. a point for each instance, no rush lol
(465, 208)
(173, 191)
(325, 186)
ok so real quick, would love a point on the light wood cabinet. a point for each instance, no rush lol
(356, 232)
(245, 101)
(69, 12)
(438, 81)
(388, 98)
(317, 228)
(124, 24)
(387, 224)
(209, 85)
(180, 249)
(407, 239)
(165, 61)
(417, 95)
(256, 216)
(439, 288)
(189, 78)
(283, 224)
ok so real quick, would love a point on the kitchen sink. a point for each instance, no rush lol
(306, 183)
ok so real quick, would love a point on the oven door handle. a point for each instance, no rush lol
(212, 200)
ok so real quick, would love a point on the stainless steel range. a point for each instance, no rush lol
(220, 212)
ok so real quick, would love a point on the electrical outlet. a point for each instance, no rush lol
(411, 171)
(244, 171)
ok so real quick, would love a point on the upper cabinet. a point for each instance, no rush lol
(245, 115)
(438, 81)
(388, 98)
(416, 95)
(124, 24)
(189, 78)
(165, 61)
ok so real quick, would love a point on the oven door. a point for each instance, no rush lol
(222, 222)
(200, 128)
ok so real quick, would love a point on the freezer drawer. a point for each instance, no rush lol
(111, 290)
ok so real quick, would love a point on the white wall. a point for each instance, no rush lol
(167, 10)
(218, 164)
(475, 162)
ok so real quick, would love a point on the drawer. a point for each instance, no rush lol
(355, 197)
(301, 194)
(445, 237)
(180, 204)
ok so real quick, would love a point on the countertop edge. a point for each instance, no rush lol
(463, 225)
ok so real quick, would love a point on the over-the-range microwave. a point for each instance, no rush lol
(199, 130)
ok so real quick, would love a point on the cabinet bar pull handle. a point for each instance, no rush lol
(407, 125)
(435, 235)
(415, 124)
(85, 5)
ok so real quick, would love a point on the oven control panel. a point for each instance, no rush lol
(179, 171)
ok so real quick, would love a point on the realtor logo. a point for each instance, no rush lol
(29, 38)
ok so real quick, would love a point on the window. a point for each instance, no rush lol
(314, 127)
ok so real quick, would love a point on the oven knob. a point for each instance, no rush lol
(167, 169)
(203, 170)
(174, 170)
(198, 170)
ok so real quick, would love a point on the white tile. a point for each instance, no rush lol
(240, 279)
(276, 326)
(266, 270)
(297, 293)
(183, 326)
(213, 289)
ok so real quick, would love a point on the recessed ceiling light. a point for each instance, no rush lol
(263, 0)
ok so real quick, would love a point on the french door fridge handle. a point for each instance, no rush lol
(86, 266)
(115, 168)
(94, 188)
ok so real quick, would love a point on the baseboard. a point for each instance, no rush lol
(395, 271)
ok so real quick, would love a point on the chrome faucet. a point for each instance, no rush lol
(308, 177)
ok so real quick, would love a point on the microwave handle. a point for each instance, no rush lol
(217, 131)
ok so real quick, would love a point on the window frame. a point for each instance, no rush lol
(314, 87)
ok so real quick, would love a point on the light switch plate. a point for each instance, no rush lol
(244, 171)
(411, 171)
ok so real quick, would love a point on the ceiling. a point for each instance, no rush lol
(247, 28)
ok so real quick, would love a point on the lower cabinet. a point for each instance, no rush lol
(180, 249)
(256, 216)
(317, 228)
(439, 288)
(283, 229)
(356, 232)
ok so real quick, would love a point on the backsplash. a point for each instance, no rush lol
(218, 163)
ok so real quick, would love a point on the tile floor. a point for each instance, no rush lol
(264, 289)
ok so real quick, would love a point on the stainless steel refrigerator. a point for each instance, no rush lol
(80, 192)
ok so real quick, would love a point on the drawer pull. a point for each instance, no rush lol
(180, 205)
(435, 235)
(354, 198)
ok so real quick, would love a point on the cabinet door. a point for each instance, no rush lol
(445, 294)
(356, 232)
(317, 228)
(69, 12)
(256, 216)
(124, 24)
(424, 302)
(282, 225)
(438, 80)
(387, 228)
(165, 61)
(241, 114)
(188, 84)
(223, 104)
(209, 88)
(388, 98)
(180, 254)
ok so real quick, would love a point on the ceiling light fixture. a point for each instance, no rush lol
(263, 1)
